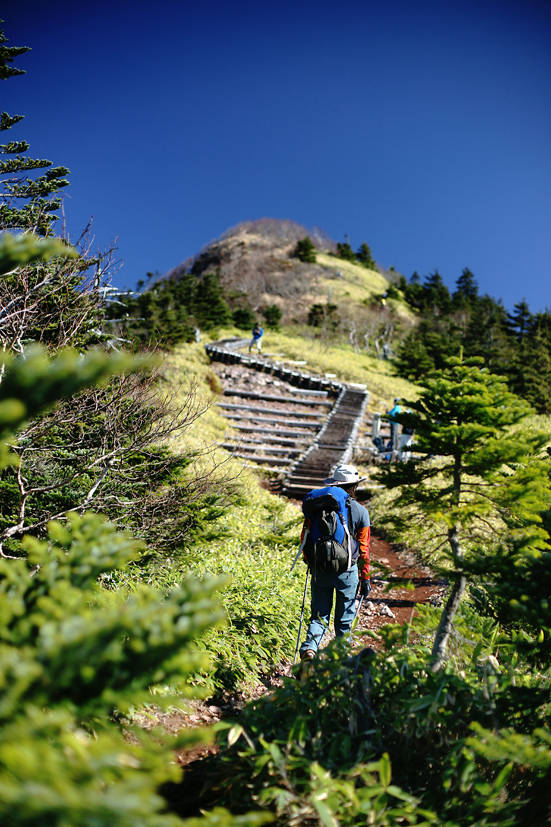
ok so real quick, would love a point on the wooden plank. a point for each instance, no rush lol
(260, 430)
(231, 406)
(308, 392)
(299, 444)
(255, 446)
(275, 420)
(264, 460)
(266, 397)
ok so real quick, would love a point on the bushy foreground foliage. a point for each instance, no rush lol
(107, 448)
(75, 657)
(379, 739)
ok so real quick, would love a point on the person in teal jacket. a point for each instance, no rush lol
(394, 425)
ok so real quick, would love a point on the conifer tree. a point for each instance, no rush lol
(466, 290)
(51, 300)
(273, 315)
(486, 335)
(209, 305)
(520, 321)
(488, 475)
(344, 250)
(25, 203)
(305, 251)
(364, 257)
(436, 296)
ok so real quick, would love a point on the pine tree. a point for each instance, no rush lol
(16, 187)
(305, 251)
(520, 321)
(466, 290)
(344, 250)
(488, 473)
(44, 299)
(209, 306)
(436, 296)
(486, 335)
(364, 257)
(273, 315)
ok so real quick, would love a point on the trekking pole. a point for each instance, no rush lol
(299, 552)
(359, 607)
(355, 616)
(301, 616)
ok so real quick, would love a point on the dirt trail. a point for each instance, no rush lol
(390, 567)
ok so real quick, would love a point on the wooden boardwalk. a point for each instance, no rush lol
(306, 446)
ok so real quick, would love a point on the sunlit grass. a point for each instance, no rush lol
(356, 284)
(355, 278)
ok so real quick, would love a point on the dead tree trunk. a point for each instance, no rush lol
(450, 609)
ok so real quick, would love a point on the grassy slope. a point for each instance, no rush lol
(356, 284)
(355, 281)
(253, 544)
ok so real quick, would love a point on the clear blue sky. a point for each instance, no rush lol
(423, 128)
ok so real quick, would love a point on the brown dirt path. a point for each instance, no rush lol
(388, 603)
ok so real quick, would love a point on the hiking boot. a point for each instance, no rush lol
(305, 664)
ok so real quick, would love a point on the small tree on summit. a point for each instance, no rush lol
(305, 251)
(344, 250)
(364, 257)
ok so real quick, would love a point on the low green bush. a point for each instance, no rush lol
(377, 738)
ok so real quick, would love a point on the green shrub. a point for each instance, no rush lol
(273, 315)
(243, 318)
(377, 738)
(305, 251)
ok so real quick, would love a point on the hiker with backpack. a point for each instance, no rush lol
(335, 546)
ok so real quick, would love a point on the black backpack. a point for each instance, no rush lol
(328, 544)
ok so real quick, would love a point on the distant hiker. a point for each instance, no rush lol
(337, 566)
(394, 426)
(258, 333)
(406, 440)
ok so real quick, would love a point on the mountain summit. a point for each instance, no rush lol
(258, 259)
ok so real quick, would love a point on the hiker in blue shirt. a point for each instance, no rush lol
(343, 586)
(258, 333)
